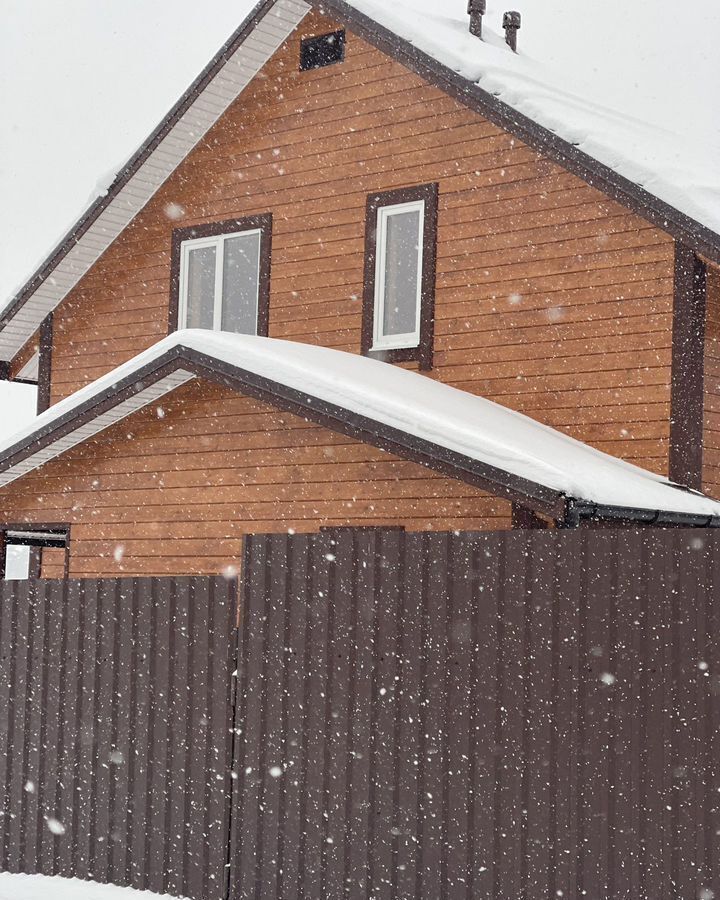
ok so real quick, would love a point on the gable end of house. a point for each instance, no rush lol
(269, 24)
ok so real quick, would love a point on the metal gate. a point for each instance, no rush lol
(504, 715)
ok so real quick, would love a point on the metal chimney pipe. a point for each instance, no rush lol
(476, 11)
(511, 24)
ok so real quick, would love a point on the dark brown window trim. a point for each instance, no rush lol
(45, 346)
(688, 361)
(423, 353)
(214, 229)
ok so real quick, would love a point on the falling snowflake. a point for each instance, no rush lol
(55, 827)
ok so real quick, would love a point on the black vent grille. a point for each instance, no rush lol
(316, 52)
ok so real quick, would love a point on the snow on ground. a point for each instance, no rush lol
(627, 81)
(419, 406)
(42, 887)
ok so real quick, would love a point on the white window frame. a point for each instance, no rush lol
(410, 339)
(218, 242)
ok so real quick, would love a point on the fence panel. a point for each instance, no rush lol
(504, 715)
(115, 731)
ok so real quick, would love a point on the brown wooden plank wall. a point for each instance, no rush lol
(478, 716)
(551, 299)
(173, 489)
(115, 723)
(711, 436)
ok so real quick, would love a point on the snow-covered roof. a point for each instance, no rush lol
(669, 164)
(461, 434)
(657, 173)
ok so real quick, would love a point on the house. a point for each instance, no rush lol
(343, 285)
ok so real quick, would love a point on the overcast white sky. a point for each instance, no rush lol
(82, 83)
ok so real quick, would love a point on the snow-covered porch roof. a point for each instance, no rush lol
(405, 413)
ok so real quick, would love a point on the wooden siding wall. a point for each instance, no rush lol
(551, 299)
(173, 488)
(711, 437)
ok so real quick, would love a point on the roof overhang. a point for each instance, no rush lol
(174, 361)
(224, 79)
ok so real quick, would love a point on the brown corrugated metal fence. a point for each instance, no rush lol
(503, 715)
(115, 729)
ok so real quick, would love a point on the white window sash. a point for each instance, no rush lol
(410, 339)
(218, 242)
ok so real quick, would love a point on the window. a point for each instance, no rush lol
(17, 562)
(221, 276)
(398, 308)
(317, 52)
(24, 548)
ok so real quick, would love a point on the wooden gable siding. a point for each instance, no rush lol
(711, 436)
(551, 299)
(177, 490)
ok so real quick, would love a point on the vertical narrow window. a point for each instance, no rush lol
(400, 253)
(221, 276)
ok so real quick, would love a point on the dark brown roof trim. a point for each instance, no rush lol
(585, 513)
(596, 174)
(136, 161)
(92, 408)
